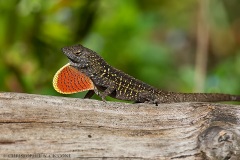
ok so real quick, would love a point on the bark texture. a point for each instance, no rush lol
(37, 125)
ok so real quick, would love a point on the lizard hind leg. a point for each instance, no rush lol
(146, 97)
(155, 101)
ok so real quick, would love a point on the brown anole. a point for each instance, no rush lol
(105, 80)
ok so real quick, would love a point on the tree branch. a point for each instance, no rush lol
(36, 124)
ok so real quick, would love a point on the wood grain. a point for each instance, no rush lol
(37, 125)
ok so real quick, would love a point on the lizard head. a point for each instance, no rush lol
(79, 55)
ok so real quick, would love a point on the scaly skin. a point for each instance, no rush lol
(109, 81)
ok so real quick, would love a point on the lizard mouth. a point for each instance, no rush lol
(70, 56)
(72, 60)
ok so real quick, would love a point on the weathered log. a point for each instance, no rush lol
(47, 126)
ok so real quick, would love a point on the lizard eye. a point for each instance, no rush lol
(78, 53)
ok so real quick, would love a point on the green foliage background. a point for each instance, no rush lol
(152, 40)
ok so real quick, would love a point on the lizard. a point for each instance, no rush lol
(106, 80)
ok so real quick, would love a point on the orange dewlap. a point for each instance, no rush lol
(69, 80)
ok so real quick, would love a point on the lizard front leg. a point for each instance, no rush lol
(89, 94)
(105, 93)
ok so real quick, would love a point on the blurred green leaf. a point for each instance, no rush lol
(152, 40)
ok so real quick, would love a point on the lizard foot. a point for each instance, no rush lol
(152, 102)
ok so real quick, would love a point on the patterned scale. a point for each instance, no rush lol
(69, 80)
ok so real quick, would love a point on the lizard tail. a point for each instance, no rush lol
(204, 97)
(235, 98)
